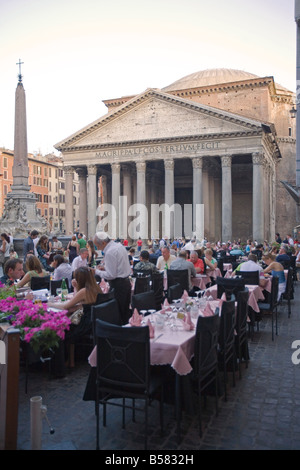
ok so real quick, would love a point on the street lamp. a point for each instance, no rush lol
(293, 112)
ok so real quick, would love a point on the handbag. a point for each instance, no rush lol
(76, 316)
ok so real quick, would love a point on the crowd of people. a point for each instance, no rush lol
(118, 262)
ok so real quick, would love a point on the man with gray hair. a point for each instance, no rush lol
(80, 260)
(116, 271)
(182, 263)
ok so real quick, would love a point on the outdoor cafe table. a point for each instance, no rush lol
(174, 347)
(255, 294)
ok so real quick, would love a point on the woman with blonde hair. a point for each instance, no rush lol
(275, 268)
(34, 268)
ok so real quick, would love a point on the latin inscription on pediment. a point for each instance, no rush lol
(149, 151)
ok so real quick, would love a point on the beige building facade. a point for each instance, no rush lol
(222, 138)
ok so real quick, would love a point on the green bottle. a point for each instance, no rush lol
(64, 290)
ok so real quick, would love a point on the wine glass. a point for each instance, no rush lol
(152, 311)
(58, 292)
(143, 313)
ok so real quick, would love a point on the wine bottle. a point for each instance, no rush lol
(64, 290)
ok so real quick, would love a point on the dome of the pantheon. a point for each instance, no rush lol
(209, 77)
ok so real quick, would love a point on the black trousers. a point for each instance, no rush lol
(123, 296)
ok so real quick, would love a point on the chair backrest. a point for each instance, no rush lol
(144, 301)
(178, 276)
(37, 283)
(221, 265)
(250, 277)
(289, 284)
(258, 253)
(56, 284)
(286, 263)
(206, 343)
(107, 311)
(174, 292)
(123, 357)
(227, 324)
(142, 284)
(242, 312)
(101, 298)
(158, 288)
(229, 258)
(274, 291)
(229, 286)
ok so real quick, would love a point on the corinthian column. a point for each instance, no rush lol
(82, 199)
(197, 193)
(92, 200)
(115, 198)
(168, 223)
(69, 221)
(258, 196)
(141, 197)
(226, 198)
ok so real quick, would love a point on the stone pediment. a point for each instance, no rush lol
(154, 115)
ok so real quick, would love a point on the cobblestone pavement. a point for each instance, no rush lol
(261, 412)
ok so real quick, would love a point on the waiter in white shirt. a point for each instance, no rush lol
(116, 271)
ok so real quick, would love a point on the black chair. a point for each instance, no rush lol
(293, 266)
(158, 288)
(286, 263)
(229, 258)
(250, 277)
(178, 276)
(220, 262)
(37, 283)
(142, 284)
(174, 292)
(231, 286)
(56, 284)
(271, 305)
(241, 328)
(105, 311)
(206, 358)
(226, 352)
(258, 253)
(289, 290)
(144, 301)
(123, 371)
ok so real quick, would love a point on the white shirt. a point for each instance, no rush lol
(250, 266)
(161, 262)
(78, 262)
(35, 242)
(116, 262)
(64, 270)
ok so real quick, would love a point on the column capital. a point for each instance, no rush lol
(141, 166)
(81, 172)
(68, 170)
(226, 160)
(92, 169)
(257, 158)
(169, 164)
(197, 162)
(115, 167)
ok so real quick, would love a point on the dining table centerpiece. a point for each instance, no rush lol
(40, 327)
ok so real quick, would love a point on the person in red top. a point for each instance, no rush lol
(125, 242)
(197, 262)
(139, 244)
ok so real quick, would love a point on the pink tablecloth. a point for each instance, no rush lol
(255, 294)
(174, 347)
(200, 281)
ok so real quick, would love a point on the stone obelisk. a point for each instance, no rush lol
(20, 212)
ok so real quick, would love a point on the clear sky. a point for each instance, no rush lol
(77, 53)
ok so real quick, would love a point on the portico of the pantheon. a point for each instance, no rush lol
(222, 138)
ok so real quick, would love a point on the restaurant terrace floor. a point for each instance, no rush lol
(262, 411)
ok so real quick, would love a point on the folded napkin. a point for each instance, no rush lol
(104, 286)
(222, 299)
(166, 303)
(151, 329)
(185, 296)
(208, 311)
(187, 322)
(136, 318)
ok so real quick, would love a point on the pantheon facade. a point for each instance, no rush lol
(220, 139)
